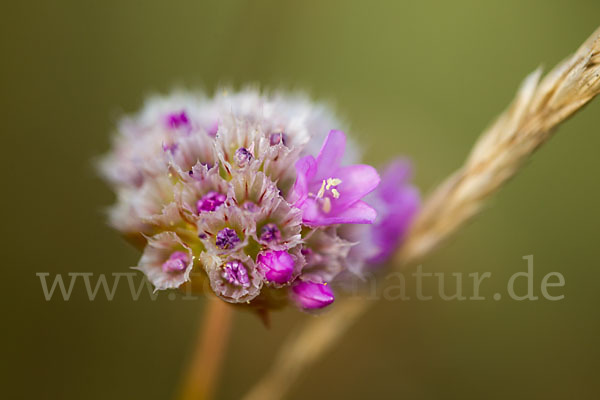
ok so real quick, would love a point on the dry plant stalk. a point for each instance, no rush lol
(501, 151)
(539, 107)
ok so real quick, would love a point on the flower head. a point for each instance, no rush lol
(235, 186)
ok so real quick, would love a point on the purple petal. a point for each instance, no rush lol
(357, 213)
(397, 203)
(396, 175)
(394, 221)
(306, 168)
(357, 182)
(331, 153)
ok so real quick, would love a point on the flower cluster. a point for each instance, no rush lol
(256, 195)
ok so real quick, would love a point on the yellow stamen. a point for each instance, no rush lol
(333, 182)
(327, 185)
(321, 191)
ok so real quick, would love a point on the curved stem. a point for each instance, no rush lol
(203, 371)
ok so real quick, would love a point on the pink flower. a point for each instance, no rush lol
(328, 193)
(397, 203)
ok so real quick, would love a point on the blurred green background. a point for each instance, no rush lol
(421, 78)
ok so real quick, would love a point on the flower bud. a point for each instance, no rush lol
(277, 266)
(210, 202)
(242, 157)
(312, 295)
(236, 274)
(270, 232)
(227, 239)
(176, 262)
(276, 138)
(177, 120)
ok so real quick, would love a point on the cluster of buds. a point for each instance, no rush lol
(255, 195)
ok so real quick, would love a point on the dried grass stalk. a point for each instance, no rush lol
(539, 107)
(501, 151)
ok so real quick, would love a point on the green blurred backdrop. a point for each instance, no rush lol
(421, 78)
